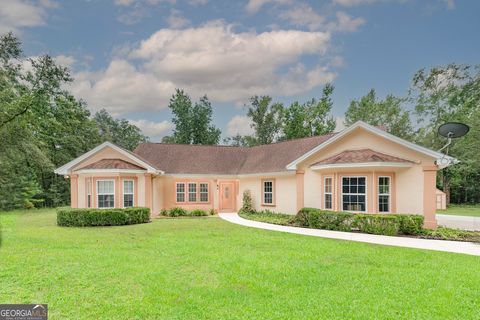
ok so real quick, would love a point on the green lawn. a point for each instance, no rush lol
(462, 210)
(206, 268)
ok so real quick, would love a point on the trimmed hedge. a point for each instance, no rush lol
(384, 224)
(180, 212)
(71, 217)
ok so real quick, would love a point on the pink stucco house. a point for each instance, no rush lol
(360, 169)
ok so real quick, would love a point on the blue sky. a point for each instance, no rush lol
(128, 56)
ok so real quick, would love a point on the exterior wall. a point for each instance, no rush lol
(139, 188)
(165, 193)
(107, 153)
(285, 192)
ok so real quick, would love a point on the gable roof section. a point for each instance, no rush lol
(360, 124)
(65, 169)
(112, 164)
(360, 156)
(227, 160)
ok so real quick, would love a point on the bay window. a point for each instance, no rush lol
(328, 193)
(127, 193)
(383, 194)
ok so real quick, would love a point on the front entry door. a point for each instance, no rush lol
(227, 196)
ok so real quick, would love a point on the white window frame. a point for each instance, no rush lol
(200, 192)
(357, 194)
(325, 193)
(269, 192)
(89, 193)
(103, 194)
(184, 192)
(389, 194)
(124, 193)
(195, 192)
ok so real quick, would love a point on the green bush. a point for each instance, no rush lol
(177, 212)
(388, 225)
(384, 224)
(72, 217)
(324, 219)
(212, 212)
(247, 202)
(198, 213)
(268, 216)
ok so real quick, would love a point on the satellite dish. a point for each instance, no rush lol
(453, 130)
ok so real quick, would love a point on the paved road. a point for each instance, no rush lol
(438, 245)
(459, 222)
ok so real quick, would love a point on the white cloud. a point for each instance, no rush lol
(253, 6)
(303, 15)
(197, 2)
(346, 23)
(337, 62)
(176, 20)
(17, 14)
(154, 130)
(351, 3)
(239, 125)
(339, 123)
(212, 59)
(66, 61)
(450, 4)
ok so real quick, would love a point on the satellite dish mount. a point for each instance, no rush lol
(451, 130)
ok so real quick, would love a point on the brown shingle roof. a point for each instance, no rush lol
(201, 159)
(112, 164)
(359, 156)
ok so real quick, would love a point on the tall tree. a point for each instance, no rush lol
(312, 118)
(451, 93)
(193, 123)
(388, 113)
(267, 120)
(118, 131)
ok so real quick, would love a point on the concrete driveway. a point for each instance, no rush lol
(459, 222)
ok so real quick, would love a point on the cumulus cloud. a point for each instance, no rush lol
(154, 130)
(346, 23)
(17, 14)
(351, 3)
(303, 15)
(66, 61)
(239, 125)
(176, 20)
(212, 59)
(253, 6)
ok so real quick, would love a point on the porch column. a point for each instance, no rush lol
(429, 188)
(148, 192)
(299, 175)
(74, 190)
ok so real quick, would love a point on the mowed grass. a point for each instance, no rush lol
(206, 268)
(462, 210)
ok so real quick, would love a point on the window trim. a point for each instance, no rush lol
(389, 194)
(200, 192)
(366, 192)
(272, 180)
(88, 192)
(197, 182)
(195, 192)
(133, 192)
(325, 193)
(184, 192)
(99, 194)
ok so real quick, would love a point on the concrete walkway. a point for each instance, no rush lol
(459, 222)
(438, 245)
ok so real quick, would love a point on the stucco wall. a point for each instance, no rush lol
(285, 192)
(165, 195)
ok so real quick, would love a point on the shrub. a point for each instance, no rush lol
(247, 202)
(388, 225)
(163, 212)
(212, 212)
(323, 219)
(73, 217)
(177, 212)
(268, 216)
(411, 224)
(198, 213)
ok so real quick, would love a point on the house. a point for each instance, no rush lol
(360, 169)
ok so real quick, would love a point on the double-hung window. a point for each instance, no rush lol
(89, 193)
(328, 193)
(127, 193)
(354, 194)
(203, 192)
(105, 193)
(383, 194)
(192, 192)
(268, 192)
(180, 196)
